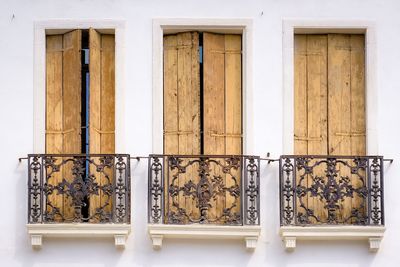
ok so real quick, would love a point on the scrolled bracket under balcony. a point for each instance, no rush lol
(78, 195)
(204, 197)
(331, 198)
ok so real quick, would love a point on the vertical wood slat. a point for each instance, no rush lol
(54, 109)
(107, 115)
(358, 116)
(300, 104)
(171, 137)
(94, 111)
(317, 109)
(214, 105)
(339, 96)
(71, 105)
(233, 109)
(189, 107)
(300, 95)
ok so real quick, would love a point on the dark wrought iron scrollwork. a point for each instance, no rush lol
(204, 189)
(79, 188)
(331, 190)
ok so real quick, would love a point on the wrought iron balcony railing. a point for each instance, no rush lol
(331, 190)
(78, 188)
(204, 189)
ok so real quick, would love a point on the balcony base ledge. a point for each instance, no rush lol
(372, 234)
(36, 232)
(249, 234)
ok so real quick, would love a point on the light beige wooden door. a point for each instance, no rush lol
(220, 112)
(329, 103)
(101, 114)
(63, 108)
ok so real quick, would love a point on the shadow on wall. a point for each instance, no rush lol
(185, 252)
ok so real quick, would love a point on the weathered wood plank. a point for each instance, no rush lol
(94, 111)
(317, 109)
(300, 95)
(233, 110)
(107, 114)
(358, 118)
(54, 110)
(339, 102)
(188, 108)
(214, 103)
(171, 141)
(171, 137)
(71, 105)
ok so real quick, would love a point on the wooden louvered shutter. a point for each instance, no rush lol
(101, 111)
(222, 105)
(63, 106)
(329, 103)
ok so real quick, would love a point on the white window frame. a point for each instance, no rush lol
(172, 25)
(293, 26)
(58, 26)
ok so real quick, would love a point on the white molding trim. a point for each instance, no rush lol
(172, 25)
(52, 26)
(120, 232)
(249, 234)
(373, 234)
(292, 26)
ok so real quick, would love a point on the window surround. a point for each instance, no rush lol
(59, 26)
(42, 28)
(171, 25)
(306, 26)
(249, 234)
(289, 234)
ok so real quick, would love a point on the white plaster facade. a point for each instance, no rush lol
(136, 125)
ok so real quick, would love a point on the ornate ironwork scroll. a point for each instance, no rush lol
(331, 190)
(204, 189)
(79, 188)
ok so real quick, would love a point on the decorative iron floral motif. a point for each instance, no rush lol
(328, 182)
(82, 177)
(204, 182)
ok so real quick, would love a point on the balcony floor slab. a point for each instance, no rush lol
(372, 234)
(119, 232)
(249, 234)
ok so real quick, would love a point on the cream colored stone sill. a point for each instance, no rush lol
(119, 231)
(249, 234)
(372, 234)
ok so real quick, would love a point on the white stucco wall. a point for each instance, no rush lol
(16, 117)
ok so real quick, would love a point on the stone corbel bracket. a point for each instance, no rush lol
(249, 234)
(372, 234)
(119, 232)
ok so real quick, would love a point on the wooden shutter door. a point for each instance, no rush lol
(101, 113)
(346, 101)
(310, 126)
(329, 103)
(222, 98)
(63, 107)
(182, 109)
